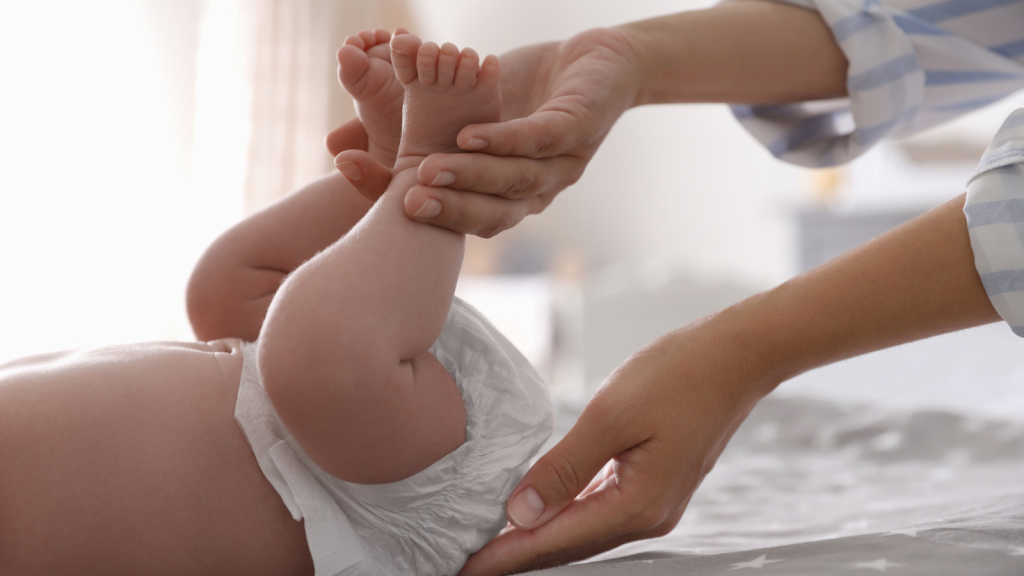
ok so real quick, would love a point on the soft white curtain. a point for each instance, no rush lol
(290, 48)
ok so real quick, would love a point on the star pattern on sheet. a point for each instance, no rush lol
(880, 565)
(758, 563)
(912, 532)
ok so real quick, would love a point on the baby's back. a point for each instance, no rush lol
(128, 460)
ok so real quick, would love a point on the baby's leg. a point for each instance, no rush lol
(344, 349)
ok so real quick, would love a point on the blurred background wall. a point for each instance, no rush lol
(132, 132)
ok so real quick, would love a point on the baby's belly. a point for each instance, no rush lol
(128, 460)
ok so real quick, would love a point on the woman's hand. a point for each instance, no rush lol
(659, 422)
(560, 101)
(666, 414)
(562, 98)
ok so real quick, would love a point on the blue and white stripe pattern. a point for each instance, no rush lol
(995, 220)
(913, 64)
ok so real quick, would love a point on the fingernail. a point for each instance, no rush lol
(443, 178)
(429, 209)
(475, 144)
(351, 171)
(526, 508)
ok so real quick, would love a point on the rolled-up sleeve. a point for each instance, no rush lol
(910, 68)
(995, 220)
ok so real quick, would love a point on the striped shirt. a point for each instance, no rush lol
(914, 64)
(995, 220)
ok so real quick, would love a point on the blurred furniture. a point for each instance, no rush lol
(824, 233)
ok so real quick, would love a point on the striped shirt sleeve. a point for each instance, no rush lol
(913, 64)
(995, 221)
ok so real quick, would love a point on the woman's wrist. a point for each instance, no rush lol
(749, 51)
(767, 340)
(640, 74)
(730, 352)
(764, 332)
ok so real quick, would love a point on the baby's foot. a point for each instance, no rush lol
(365, 70)
(445, 91)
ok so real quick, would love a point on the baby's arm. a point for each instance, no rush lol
(343, 354)
(236, 278)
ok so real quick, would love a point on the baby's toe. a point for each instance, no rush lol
(446, 63)
(465, 73)
(404, 56)
(381, 36)
(355, 40)
(426, 63)
(354, 64)
(490, 73)
(369, 37)
(382, 51)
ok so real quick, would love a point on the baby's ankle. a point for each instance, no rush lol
(403, 163)
(383, 155)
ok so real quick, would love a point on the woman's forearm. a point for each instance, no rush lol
(745, 51)
(913, 282)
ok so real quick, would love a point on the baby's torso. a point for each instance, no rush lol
(127, 459)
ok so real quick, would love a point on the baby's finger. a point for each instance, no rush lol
(509, 177)
(541, 135)
(369, 177)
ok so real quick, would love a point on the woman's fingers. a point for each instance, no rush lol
(368, 176)
(468, 212)
(556, 129)
(559, 476)
(620, 510)
(578, 554)
(512, 187)
(608, 428)
(509, 177)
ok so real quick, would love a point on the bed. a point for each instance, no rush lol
(908, 461)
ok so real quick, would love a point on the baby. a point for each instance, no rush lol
(373, 425)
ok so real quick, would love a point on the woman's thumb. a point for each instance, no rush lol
(368, 176)
(560, 475)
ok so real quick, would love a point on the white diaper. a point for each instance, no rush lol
(432, 521)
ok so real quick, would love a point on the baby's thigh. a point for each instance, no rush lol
(149, 477)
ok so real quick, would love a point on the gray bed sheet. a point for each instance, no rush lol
(812, 486)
